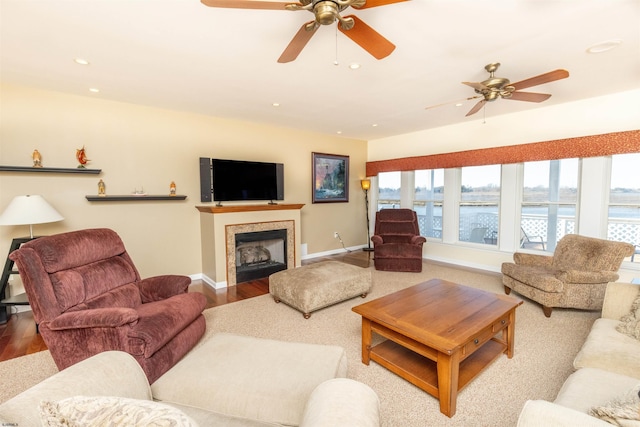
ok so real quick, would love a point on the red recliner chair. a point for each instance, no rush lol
(87, 297)
(397, 243)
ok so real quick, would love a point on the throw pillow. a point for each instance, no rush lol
(622, 411)
(630, 322)
(84, 411)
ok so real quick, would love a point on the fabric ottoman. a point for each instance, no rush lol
(251, 378)
(315, 286)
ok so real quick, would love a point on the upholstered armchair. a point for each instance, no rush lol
(397, 243)
(576, 276)
(87, 297)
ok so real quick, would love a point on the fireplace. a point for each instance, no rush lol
(256, 250)
(259, 254)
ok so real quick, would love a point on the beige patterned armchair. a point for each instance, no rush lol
(576, 276)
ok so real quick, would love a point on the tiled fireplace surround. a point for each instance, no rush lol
(219, 224)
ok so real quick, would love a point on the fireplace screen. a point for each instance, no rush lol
(260, 253)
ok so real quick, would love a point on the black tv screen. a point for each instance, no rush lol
(235, 180)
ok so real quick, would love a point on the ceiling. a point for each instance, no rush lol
(183, 55)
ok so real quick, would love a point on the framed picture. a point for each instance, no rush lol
(330, 178)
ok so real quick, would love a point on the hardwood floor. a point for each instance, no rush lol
(18, 336)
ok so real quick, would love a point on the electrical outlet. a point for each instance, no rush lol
(335, 234)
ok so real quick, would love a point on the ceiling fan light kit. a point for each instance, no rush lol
(325, 12)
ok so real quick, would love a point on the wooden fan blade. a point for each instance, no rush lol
(368, 38)
(476, 107)
(376, 3)
(551, 76)
(529, 96)
(452, 102)
(298, 43)
(246, 4)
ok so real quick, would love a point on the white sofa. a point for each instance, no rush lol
(607, 368)
(311, 400)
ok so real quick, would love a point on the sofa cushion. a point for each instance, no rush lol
(107, 410)
(621, 411)
(248, 377)
(589, 387)
(608, 349)
(630, 322)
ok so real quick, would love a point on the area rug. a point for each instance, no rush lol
(544, 351)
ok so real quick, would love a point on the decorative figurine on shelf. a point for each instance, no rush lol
(102, 189)
(37, 159)
(172, 189)
(81, 155)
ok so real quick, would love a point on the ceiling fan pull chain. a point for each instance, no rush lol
(336, 63)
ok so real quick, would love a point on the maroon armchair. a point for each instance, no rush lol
(87, 297)
(397, 243)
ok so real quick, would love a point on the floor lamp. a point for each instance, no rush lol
(366, 185)
(23, 210)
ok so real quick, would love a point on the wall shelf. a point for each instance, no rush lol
(134, 198)
(49, 170)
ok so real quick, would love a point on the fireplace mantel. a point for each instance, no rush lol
(247, 208)
(217, 221)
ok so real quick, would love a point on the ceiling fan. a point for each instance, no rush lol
(325, 12)
(498, 87)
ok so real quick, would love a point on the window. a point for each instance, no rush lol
(389, 190)
(427, 201)
(549, 200)
(479, 204)
(624, 201)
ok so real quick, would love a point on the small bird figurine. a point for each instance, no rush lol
(37, 159)
(81, 155)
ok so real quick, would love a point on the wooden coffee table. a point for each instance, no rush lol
(440, 335)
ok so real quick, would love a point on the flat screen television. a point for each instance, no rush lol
(236, 180)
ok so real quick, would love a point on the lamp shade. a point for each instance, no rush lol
(29, 210)
(365, 184)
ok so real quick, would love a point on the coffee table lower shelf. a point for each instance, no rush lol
(423, 372)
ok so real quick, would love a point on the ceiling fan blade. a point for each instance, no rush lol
(529, 96)
(376, 3)
(551, 76)
(368, 38)
(475, 85)
(476, 107)
(298, 42)
(246, 4)
(452, 102)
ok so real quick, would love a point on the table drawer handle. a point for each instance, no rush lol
(503, 321)
(476, 341)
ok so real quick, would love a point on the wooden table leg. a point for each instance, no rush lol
(366, 341)
(448, 370)
(511, 332)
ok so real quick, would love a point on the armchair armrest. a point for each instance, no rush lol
(418, 240)
(94, 318)
(539, 413)
(618, 299)
(377, 239)
(342, 402)
(162, 287)
(578, 276)
(522, 258)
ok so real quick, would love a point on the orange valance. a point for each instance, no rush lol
(584, 146)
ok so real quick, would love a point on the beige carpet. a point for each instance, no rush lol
(544, 350)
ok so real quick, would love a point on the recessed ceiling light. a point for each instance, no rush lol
(339, 132)
(604, 46)
(375, 125)
(94, 90)
(354, 66)
(276, 104)
(81, 61)
(459, 104)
